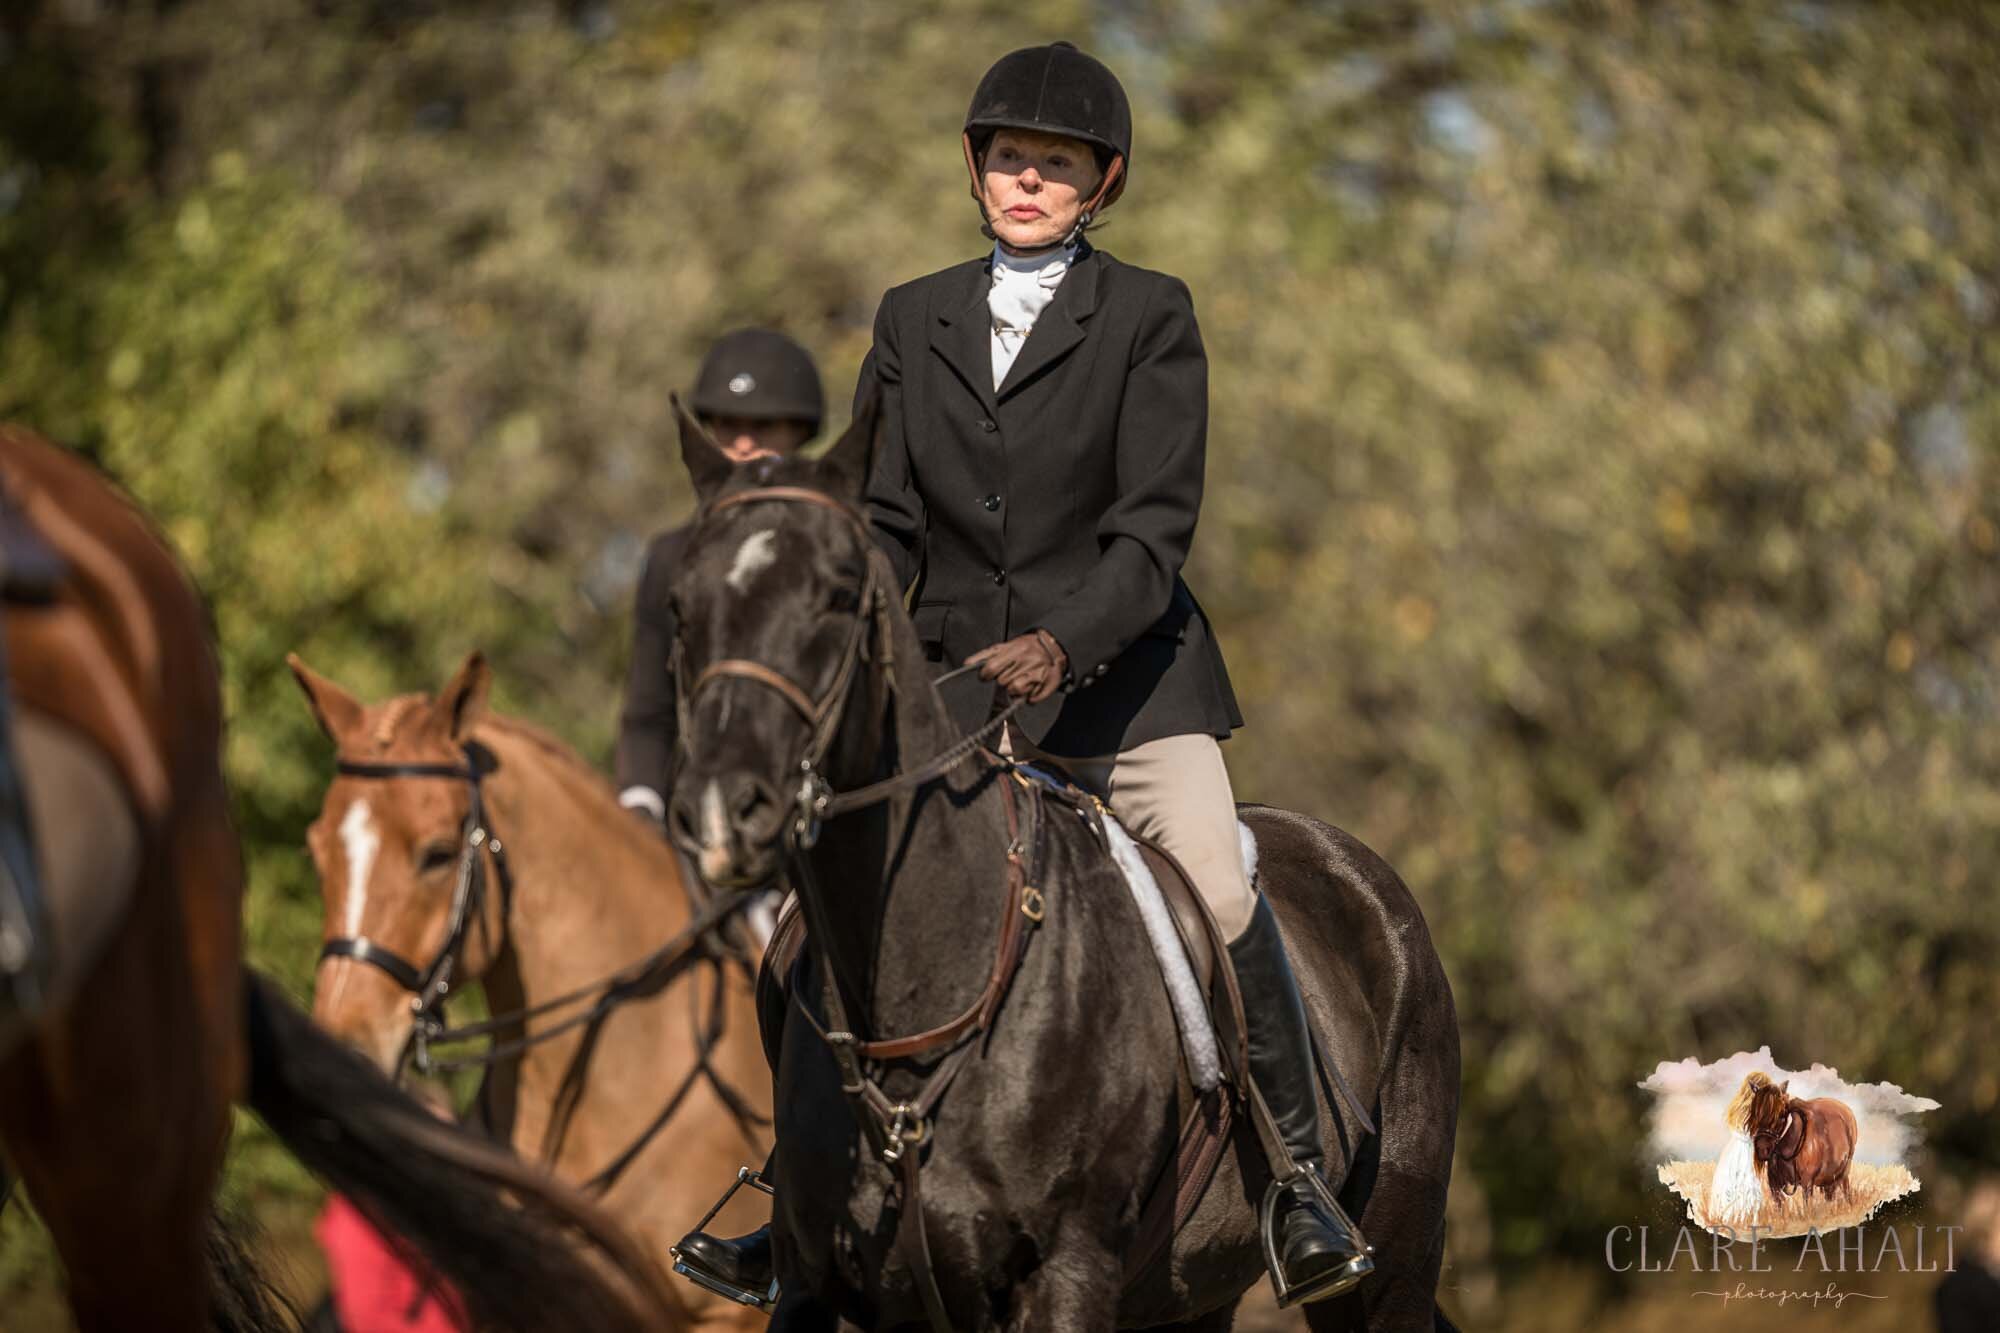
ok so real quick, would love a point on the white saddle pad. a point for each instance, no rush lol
(1204, 1058)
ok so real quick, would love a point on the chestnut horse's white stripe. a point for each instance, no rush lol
(360, 841)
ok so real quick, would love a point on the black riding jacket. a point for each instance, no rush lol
(1066, 500)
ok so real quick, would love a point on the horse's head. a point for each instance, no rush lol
(390, 847)
(1767, 1107)
(780, 597)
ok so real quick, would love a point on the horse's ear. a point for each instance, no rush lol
(336, 711)
(462, 701)
(707, 465)
(1785, 1088)
(846, 464)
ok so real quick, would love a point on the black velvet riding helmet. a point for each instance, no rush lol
(759, 375)
(1054, 89)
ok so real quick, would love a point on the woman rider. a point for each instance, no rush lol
(1038, 480)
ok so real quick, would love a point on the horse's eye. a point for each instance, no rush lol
(436, 856)
(844, 599)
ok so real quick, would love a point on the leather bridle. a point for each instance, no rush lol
(430, 983)
(870, 626)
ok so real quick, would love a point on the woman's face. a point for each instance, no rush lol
(1036, 185)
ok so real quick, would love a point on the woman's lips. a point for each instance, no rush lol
(1024, 212)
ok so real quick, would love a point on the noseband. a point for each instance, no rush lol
(430, 984)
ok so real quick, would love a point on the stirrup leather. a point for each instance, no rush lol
(766, 1300)
(1332, 1284)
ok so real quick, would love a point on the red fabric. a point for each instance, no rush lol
(374, 1290)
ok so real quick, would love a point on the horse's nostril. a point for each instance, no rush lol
(681, 823)
(753, 805)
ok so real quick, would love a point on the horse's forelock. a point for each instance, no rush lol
(1769, 1106)
(395, 714)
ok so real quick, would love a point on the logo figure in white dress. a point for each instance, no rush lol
(1736, 1192)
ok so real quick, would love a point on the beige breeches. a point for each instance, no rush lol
(1176, 791)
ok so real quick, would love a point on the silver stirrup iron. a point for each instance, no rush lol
(762, 1300)
(1341, 1279)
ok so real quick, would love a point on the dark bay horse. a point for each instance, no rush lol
(1804, 1145)
(115, 1097)
(671, 1082)
(808, 683)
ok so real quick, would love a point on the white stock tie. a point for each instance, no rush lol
(1023, 286)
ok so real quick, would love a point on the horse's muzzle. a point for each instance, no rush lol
(728, 823)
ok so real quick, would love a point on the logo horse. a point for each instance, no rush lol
(1803, 1145)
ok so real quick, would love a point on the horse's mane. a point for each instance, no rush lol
(551, 746)
(396, 715)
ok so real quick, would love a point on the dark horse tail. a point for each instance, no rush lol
(499, 1230)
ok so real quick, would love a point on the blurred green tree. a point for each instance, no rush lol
(1600, 514)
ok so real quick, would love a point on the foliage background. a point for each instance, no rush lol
(1600, 520)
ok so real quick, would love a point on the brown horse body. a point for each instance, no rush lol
(119, 665)
(593, 890)
(115, 1096)
(1803, 1145)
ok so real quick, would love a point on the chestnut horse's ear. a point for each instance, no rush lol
(462, 701)
(336, 711)
(846, 464)
(707, 465)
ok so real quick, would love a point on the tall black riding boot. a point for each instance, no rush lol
(1319, 1252)
(738, 1268)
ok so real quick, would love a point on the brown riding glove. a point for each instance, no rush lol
(1029, 666)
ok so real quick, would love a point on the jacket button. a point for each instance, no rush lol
(992, 502)
(986, 423)
(999, 576)
(1103, 668)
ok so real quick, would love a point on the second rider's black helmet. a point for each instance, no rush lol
(1055, 89)
(760, 375)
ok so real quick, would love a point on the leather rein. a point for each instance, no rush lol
(893, 1127)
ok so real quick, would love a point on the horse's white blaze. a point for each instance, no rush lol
(714, 821)
(714, 859)
(360, 841)
(758, 552)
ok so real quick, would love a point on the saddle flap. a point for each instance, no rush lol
(1197, 928)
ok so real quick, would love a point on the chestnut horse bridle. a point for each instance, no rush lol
(431, 983)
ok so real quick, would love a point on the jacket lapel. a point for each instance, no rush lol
(963, 332)
(1060, 327)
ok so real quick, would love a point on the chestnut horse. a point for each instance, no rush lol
(115, 1093)
(1803, 1145)
(587, 891)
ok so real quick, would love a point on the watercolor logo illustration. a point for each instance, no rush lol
(1748, 1144)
